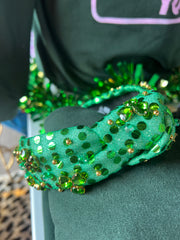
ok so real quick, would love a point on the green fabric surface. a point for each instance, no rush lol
(138, 203)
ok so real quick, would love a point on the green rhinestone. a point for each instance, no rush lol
(129, 142)
(60, 165)
(91, 181)
(108, 138)
(119, 122)
(65, 131)
(78, 179)
(25, 153)
(162, 127)
(82, 136)
(98, 167)
(156, 137)
(48, 168)
(104, 171)
(141, 126)
(122, 151)
(117, 160)
(154, 106)
(86, 145)
(39, 149)
(136, 134)
(74, 159)
(77, 168)
(156, 149)
(111, 154)
(114, 129)
(37, 139)
(65, 182)
(30, 181)
(69, 152)
(142, 106)
(49, 136)
(125, 114)
(78, 189)
(51, 145)
(148, 115)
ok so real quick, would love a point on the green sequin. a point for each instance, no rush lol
(98, 167)
(129, 142)
(80, 127)
(51, 146)
(122, 151)
(74, 159)
(141, 126)
(55, 156)
(154, 106)
(49, 136)
(37, 139)
(65, 131)
(60, 165)
(111, 154)
(77, 168)
(104, 171)
(43, 159)
(86, 145)
(156, 149)
(39, 149)
(82, 136)
(162, 127)
(117, 160)
(136, 134)
(69, 152)
(156, 138)
(48, 168)
(114, 129)
(148, 115)
(108, 138)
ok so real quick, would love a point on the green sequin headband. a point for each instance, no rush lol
(71, 158)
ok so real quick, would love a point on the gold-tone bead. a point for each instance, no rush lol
(130, 150)
(37, 186)
(145, 93)
(146, 160)
(54, 162)
(43, 184)
(118, 88)
(111, 80)
(110, 122)
(156, 112)
(143, 84)
(173, 138)
(112, 89)
(33, 67)
(98, 173)
(60, 190)
(40, 74)
(68, 142)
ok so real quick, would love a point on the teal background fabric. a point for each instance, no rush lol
(138, 203)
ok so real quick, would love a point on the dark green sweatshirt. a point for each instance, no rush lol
(75, 40)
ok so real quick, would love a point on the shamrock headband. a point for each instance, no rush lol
(71, 158)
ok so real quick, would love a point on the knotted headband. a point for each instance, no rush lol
(71, 158)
